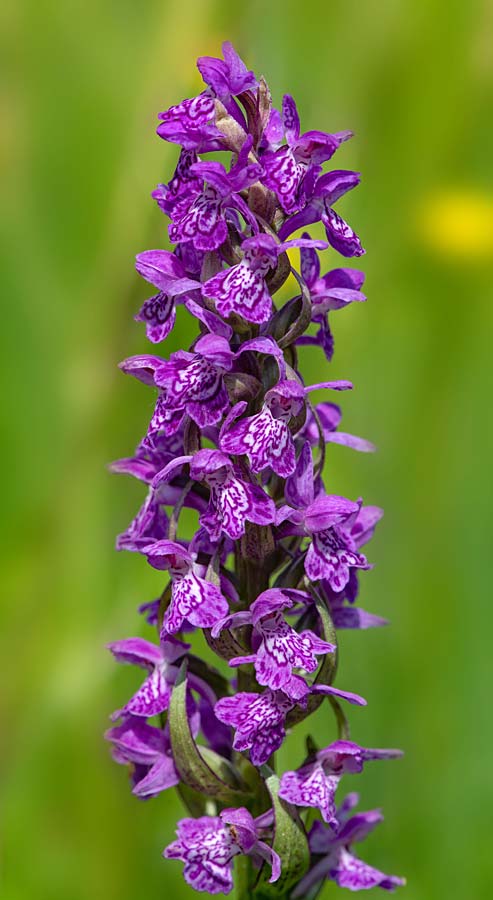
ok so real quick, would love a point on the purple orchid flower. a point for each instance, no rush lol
(329, 521)
(315, 783)
(338, 862)
(286, 167)
(232, 502)
(361, 532)
(270, 575)
(278, 647)
(332, 552)
(242, 289)
(266, 438)
(191, 124)
(208, 845)
(150, 457)
(175, 197)
(153, 696)
(165, 271)
(320, 197)
(149, 750)
(193, 598)
(191, 383)
(227, 78)
(329, 416)
(335, 290)
(259, 719)
(205, 222)
(150, 523)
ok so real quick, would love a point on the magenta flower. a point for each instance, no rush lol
(260, 719)
(193, 598)
(153, 696)
(165, 271)
(233, 501)
(265, 437)
(209, 844)
(321, 196)
(279, 648)
(243, 289)
(315, 783)
(286, 167)
(337, 861)
(205, 223)
(148, 750)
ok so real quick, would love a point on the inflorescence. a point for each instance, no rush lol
(271, 574)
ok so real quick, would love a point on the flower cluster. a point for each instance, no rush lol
(271, 573)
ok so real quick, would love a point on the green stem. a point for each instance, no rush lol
(243, 878)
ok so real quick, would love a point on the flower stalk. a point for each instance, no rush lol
(271, 574)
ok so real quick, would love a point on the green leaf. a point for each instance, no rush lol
(290, 842)
(202, 769)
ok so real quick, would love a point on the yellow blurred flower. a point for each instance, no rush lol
(458, 223)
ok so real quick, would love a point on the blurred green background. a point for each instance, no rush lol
(82, 84)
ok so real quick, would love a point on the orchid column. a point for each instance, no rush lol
(271, 574)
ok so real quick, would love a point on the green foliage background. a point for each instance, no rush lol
(82, 84)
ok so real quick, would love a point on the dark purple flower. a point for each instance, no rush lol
(205, 222)
(193, 382)
(352, 616)
(278, 647)
(154, 694)
(315, 783)
(208, 845)
(191, 124)
(149, 750)
(242, 289)
(190, 382)
(175, 197)
(266, 438)
(320, 198)
(259, 719)
(329, 416)
(338, 862)
(193, 598)
(332, 552)
(232, 501)
(286, 167)
(150, 457)
(227, 78)
(335, 290)
(150, 524)
(329, 520)
(165, 271)
(362, 528)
